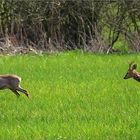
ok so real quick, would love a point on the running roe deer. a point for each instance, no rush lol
(132, 73)
(11, 82)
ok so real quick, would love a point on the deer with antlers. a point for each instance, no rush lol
(12, 82)
(132, 73)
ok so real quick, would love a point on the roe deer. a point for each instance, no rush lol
(132, 73)
(12, 82)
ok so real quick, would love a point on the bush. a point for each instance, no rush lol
(66, 25)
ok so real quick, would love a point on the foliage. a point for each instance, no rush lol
(65, 25)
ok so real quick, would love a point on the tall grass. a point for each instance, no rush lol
(74, 96)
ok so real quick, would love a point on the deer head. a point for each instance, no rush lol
(131, 71)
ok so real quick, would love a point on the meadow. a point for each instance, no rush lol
(73, 96)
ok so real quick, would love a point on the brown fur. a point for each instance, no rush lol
(132, 73)
(12, 82)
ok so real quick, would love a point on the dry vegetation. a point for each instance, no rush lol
(56, 25)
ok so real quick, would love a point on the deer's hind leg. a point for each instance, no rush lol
(15, 92)
(23, 91)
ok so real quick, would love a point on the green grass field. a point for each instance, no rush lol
(74, 96)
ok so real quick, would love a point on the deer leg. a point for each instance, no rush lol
(23, 91)
(15, 92)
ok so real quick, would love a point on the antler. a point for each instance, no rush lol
(130, 63)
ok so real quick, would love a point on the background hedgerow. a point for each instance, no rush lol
(56, 25)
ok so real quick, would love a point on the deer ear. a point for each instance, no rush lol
(134, 66)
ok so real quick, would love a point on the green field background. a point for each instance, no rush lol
(73, 96)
